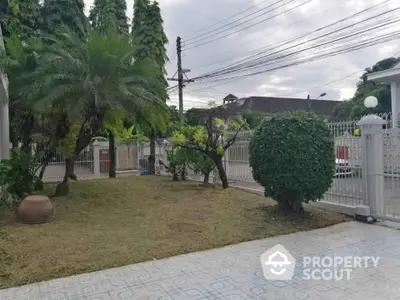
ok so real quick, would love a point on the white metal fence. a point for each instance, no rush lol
(93, 162)
(367, 166)
(346, 187)
(385, 172)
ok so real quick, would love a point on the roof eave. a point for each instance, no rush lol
(387, 76)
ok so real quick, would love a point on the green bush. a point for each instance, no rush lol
(18, 178)
(292, 157)
(178, 159)
(201, 164)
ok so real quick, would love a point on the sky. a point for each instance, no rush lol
(336, 76)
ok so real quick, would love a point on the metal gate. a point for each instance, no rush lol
(84, 166)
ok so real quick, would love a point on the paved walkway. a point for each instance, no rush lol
(234, 272)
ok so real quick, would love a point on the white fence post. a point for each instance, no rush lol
(117, 164)
(373, 163)
(96, 159)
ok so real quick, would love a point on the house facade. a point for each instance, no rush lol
(4, 117)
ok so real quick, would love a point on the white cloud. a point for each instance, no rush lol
(346, 93)
(183, 17)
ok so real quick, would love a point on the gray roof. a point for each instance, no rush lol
(266, 105)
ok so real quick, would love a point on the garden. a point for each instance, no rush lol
(74, 80)
(109, 223)
(113, 222)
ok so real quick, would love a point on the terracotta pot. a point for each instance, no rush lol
(36, 210)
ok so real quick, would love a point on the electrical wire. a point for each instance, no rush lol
(247, 27)
(257, 64)
(236, 25)
(332, 53)
(226, 19)
(242, 62)
(264, 47)
(265, 59)
(388, 38)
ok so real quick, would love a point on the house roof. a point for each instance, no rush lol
(265, 105)
(230, 96)
(386, 76)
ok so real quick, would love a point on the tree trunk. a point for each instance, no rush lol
(14, 139)
(206, 179)
(43, 169)
(221, 172)
(112, 172)
(63, 187)
(27, 128)
(183, 174)
(152, 157)
(72, 174)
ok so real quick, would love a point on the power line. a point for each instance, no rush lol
(233, 22)
(334, 52)
(247, 27)
(226, 19)
(289, 41)
(326, 84)
(335, 80)
(256, 62)
(390, 37)
(172, 87)
(263, 47)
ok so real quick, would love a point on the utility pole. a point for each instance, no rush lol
(181, 80)
(180, 77)
(308, 103)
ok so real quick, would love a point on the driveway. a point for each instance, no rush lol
(235, 272)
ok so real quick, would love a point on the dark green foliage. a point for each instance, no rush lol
(252, 119)
(142, 30)
(20, 17)
(173, 123)
(201, 164)
(122, 19)
(354, 108)
(292, 156)
(178, 159)
(148, 33)
(18, 175)
(64, 13)
(196, 116)
(109, 15)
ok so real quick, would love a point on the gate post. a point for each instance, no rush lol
(373, 163)
(96, 159)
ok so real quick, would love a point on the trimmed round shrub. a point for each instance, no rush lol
(292, 156)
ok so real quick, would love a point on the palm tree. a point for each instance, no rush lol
(18, 60)
(88, 79)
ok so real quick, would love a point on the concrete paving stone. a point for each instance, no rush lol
(234, 272)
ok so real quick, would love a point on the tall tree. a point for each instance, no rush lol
(110, 16)
(120, 12)
(20, 17)
(89, 79)
(64, 13)
(354, 108)
(20, 21)
(102, 16)
(148, 33)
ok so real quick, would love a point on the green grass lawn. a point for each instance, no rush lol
(109, 223)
